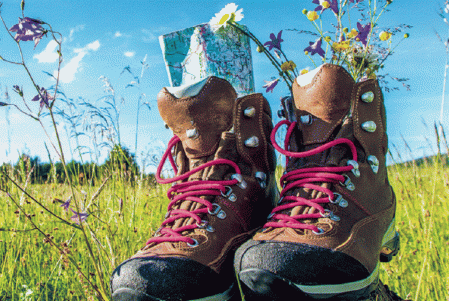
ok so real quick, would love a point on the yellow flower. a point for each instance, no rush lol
(352, 34)
(312, 15)
(385, 35)
(406, 36)
(340, 46)
(304, 71)
(287, 66)
(325, 4)
(228, 14)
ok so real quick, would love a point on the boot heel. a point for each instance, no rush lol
(390, 248)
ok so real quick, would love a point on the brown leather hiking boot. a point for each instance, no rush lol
(224, 190)
(335, 217)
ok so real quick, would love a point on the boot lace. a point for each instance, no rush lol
(189, 191)
(305, 178)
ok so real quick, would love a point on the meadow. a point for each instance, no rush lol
(47, 256)
(64, 226)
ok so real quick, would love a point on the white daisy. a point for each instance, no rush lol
(228, 13)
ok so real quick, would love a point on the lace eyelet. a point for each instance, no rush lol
(195, 243)
(320, 231)
(203, 224)
(215, 209)
(348, 183)
(241, 182)
(227, 193)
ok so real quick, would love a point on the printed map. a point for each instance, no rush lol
(197, 52)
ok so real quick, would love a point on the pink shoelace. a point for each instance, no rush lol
(190, 191)
(305, 178)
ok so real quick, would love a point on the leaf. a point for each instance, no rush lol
(49, 74)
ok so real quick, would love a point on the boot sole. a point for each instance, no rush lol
(265, 284)
(127, 294)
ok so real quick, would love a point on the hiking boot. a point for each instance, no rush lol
(224, 189)
(335, 217)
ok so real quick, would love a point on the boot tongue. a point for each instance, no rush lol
(198, 114)
(322, 99)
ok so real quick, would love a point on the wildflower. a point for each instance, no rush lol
(275, 41)
(288, 66)
(28, 29)
(270, 85)
(363, 32)
(384, 35)
(340, 46)
(312, 15)
(79, 217)
(324, 4)
(315, 48)
(18, 90)
(43, 97)
(66, 204)
(304, 71)
(352, 34)
(228, 14)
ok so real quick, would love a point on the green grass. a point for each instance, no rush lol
(32, 269)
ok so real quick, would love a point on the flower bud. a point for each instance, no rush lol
(406, 36)
(305, 11)
(306, 52)
(2, 104)
(327, 38)
(345, 29)
(22, 5)
(325, 4)
(260, 49)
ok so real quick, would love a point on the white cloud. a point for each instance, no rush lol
(129, 53)
(75, 29)
(93, 46)
(117, 34)
(149, 36)
(67, 74)
(48, 55)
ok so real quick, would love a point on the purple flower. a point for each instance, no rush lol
(363, 32)
(270, 85)
(333, 5)
(315, 48)
(28, 29)
(43, 97)
(275, 41)
(66, 204)
(18, 90)
(78, 216)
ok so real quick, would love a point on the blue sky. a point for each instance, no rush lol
(103, 37)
